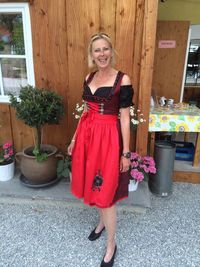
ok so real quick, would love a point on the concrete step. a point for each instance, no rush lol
(59, 194)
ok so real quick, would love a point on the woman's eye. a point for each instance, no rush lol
(103, 49)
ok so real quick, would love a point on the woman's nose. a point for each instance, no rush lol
(102, 52)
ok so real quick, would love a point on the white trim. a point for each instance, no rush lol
(28, 46)
(185, 66)
(13, 56)
(1, 82)
(22, 8)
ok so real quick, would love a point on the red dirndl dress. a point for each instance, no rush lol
(96, 154)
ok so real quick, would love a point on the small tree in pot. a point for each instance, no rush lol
(37, 107)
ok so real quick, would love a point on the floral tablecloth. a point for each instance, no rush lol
(174, 120)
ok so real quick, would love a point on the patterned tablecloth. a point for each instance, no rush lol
(174, 120)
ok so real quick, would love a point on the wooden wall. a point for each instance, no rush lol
(169, 62)
(60, 32)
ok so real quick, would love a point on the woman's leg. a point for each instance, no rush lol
(109, 219)
(100, 225)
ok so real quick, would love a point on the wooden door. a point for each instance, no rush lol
(169, 61)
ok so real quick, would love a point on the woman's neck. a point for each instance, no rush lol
(105, 72)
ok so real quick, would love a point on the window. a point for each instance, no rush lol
(16, 62)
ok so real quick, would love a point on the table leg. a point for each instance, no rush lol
(197, 151)
(186, 137)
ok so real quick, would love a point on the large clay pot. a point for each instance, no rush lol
(38, 172)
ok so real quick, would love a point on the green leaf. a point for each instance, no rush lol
(181, 117)
(157, 124)
(172, 124)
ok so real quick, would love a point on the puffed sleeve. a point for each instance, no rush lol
(126, 95)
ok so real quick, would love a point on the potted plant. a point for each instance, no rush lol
(140, 168)
(64, 166)
(6, 161)
(37, 107)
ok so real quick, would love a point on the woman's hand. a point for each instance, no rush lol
(124, 164)
(70, 147)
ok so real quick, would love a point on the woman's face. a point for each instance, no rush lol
(101, 53)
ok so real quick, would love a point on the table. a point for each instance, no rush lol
(163, 119)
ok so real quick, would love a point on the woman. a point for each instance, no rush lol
(100, 145)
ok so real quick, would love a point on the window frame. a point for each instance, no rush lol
(22, 8)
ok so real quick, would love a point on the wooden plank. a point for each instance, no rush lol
(124, 43)
(149, 34)
(50, 59)
(5, 124)
(22, 134)
(16, 1)
(83, 20)
(197, 151)
(138, 33)
(152, 143)
(125, 25)
(107, 18)
(186, 177)
(169, 63)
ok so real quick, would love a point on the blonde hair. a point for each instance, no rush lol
(95, 37)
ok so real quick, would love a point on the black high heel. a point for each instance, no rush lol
(111, 262)
(93, 236)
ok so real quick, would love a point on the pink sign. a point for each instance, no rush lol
(167, 44)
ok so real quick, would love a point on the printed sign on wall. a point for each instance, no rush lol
(167, 44)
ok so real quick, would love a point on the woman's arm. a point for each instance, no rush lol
(71, 145)
(125, 130)
(84, 110)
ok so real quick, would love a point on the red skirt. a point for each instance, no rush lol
(95, 161)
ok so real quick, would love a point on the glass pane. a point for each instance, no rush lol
(193, 64)
(11, 34)
(14, 74)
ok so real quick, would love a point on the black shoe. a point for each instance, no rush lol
(93, 236)
(111, 262)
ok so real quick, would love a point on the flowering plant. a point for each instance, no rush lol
(78, 110)
(140, 166)
(6, 153)
(136, 117)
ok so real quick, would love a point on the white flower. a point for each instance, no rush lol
(135, 122)
(136, 117)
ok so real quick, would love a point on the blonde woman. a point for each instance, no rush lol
(100, 146)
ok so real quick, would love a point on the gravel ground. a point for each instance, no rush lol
(38, 234)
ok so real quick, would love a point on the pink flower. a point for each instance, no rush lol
(134, 164)
(152, 169)
(134, 155)
(11, 152)
(137, 175)
(141, 165)
(6, 152)
(7, 145)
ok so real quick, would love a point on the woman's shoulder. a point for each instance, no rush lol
(87, 76)
(126, 80)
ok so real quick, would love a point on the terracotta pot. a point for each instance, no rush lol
(38, 172)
